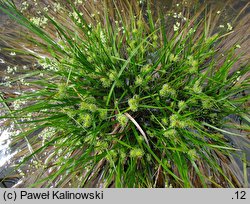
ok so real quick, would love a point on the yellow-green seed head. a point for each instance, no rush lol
(170, 133)
(113, 75)
(92, 107)
(119, 83)
(88, 106)
(174, 120)
(71, 113)
(122, 119)
(207, 103)
(90, 99)
(166, 91)
(140, 23)
(134, 31)
(101, 145)
(134, 103)
(103, 114)
(105, 82)
(140, 139)
(148, 157)
(164, 121)
(192, 154)
(136, 153)
(146, 68)
(173, 58)
(138, 81)
(84, 106)
(194, 65)
(183, 124)
(182, 105)
(155, 44)
(193, 70)
(148, 78)
(86, 120)
(197, 88)
(112, 155)
(155, 37)
(123, 155)
(150, 134)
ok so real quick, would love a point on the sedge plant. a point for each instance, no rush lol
(122, 99)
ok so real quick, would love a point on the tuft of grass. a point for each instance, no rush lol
(122, 99)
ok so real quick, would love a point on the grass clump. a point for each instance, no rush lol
(130, 101)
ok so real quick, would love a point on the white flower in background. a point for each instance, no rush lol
(8, 84)
(39, 21)
(76, 16)
(9, 69)
(176, 26)
(6, 78)
(46, 9)
(2, 61)
(47, 133)
(141, 1)
(17, 104)
(237, 46)
(24, 6)
(12, 53)
(57, 7)
(191, 31)
(22, 81)
(179, 15)
(229, 27)
(103, 37)
(78, 2)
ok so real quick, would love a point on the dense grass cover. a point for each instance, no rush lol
(123, 99)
